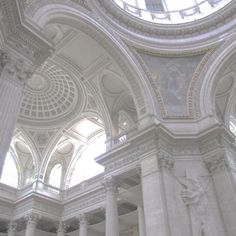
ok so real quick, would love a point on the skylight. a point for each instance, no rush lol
(171, 11)
(86, 127)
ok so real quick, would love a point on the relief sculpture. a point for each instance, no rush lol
(194, 197)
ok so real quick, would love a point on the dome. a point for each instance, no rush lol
(171, 11)
(49, 96)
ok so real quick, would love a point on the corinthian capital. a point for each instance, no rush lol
(166, 161)
(216, 162)
(32, 218)
(110, 185)
(61, 227)
(14, 68)
(4, 59)
(12, 227)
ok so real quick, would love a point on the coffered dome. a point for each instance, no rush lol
(50, 95)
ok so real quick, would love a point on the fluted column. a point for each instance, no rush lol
(61, 229)
(112, 221)
(31, 225)
(13, 74)
(11, 229)
(83, 225)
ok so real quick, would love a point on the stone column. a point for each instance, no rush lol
(153, 198)
(220, 169)
(11, 229)
(32, 220)
(83, 225)
(13, 74)
(112, 221)
(61, 229)
(141, 222)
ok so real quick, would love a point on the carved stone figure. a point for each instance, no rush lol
(193, 195)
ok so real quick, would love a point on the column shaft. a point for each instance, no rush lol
(83, 229)
(30, 228)
(112, 223)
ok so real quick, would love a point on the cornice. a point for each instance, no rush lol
(200, 34)
(19, 38)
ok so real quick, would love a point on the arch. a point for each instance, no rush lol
(56, 175)
(63, 14)
(87, 152)
(12, 170)
(211, 75)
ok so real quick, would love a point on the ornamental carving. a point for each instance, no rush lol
(215, 163)
(32, 218)
(110, 185)
(166, 161)
(12, 227)
(3, 60)
(61, 228)
(83, 219)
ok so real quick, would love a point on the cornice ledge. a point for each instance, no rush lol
(21, 38)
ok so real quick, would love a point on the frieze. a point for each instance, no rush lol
(19, 38)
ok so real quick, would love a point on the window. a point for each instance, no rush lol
(10, 172)
(55, 176)
(86, 166)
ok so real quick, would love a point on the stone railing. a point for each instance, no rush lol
(39, 187)
(124, 136)
(198, 11)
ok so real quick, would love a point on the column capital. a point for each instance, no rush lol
(110, 184)
(14, 68)
(4, 59)
(61, 227)
(12, 226)
(166, 161)
(216, 162)
(83, 218)
(32, 218)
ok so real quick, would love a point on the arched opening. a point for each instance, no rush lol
(86, 166)
(10, 175)
(55, 176)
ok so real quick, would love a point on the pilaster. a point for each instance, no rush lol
(13, 73)
(153, 197)
(219, 168)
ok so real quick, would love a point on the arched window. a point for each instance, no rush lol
(55, 176)
(10, 173)
(86, 166)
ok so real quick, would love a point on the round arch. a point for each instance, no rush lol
(137, 80)
(211, 75)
